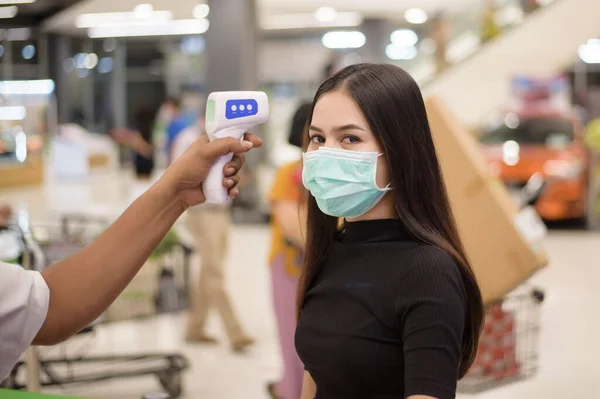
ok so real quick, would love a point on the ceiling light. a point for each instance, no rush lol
(16, 87)
(590, 52)
(325, 14)
(415, 16)
(17, 1)
(116, 18)
(28, 52)
(201, 11)
(404, 38)
(143, 11)
(16, 113)
(175, 27)
(91, 60)
(341, 39)
(8, 12)
(396, 53)
(308, 21)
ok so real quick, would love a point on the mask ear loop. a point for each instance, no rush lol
(389, 185)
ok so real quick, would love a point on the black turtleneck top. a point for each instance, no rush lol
(384, 317)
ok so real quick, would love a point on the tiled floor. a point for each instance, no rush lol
(569, 343)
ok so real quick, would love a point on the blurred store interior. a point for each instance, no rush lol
(522, 77)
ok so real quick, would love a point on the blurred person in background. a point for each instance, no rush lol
(388, 305)
(139, 140)
(440, 31)
(286, 258)
(210, 226)
(489, 26)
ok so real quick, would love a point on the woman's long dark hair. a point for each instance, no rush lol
(392, 104)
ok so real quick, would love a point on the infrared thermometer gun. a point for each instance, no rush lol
(230, 114)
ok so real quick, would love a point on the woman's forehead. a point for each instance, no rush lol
(337, 108)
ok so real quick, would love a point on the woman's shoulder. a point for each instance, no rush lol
(431, 275)
(429, 263)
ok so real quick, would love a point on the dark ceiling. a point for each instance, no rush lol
(35, 13)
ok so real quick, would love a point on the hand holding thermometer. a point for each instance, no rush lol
(230, 114)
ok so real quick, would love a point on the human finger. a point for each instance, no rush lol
(234, 166)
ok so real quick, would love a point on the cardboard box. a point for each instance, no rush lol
(502, 251)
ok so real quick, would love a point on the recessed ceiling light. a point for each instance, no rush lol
(590, 52)
(91, 60)
(404, 38)
(325, 14)
(143, 11)
(344, 39)
(395, 52)
(201, 11)
(415, 16)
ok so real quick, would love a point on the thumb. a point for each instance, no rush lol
(226, 145)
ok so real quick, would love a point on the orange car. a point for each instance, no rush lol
(547, 143)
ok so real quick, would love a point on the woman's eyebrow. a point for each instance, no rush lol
(350, 126)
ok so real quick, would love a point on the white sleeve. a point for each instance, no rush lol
(24, 300)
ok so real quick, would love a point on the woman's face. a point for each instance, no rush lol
(338, 122)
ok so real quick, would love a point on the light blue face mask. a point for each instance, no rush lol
(343, 182)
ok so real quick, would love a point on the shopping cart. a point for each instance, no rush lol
(47, 245)
(508, 348)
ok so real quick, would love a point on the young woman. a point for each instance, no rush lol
(388, 304)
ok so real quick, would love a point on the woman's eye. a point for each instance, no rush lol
(316, 139)
(350, 140)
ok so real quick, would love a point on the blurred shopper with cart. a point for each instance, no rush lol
(47, 308)
(210, 225)
(386, 288)
(286, 257)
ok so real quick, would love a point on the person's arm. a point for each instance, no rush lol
(309, 388)
(84, 285)
(141, 146)
(285, 204)
(288, 216)
(431, 304)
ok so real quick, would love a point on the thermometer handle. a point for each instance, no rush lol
(212, 187)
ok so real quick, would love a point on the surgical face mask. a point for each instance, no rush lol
(343, 182)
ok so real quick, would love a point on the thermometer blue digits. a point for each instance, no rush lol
(230, 114)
